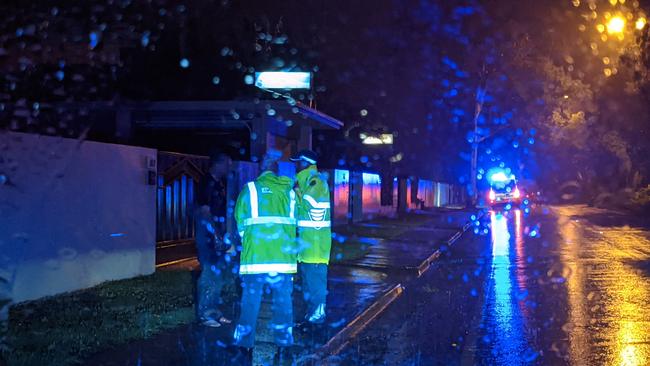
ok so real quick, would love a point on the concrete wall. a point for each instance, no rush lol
(371, 198)
(73, 214)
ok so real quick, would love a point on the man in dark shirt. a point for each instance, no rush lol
(212, 240)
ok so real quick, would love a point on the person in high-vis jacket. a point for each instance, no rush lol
(314, 233)
(265, 215)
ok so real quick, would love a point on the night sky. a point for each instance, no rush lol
(413, 68)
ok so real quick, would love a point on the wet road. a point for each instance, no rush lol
(563, 285)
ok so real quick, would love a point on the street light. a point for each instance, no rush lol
(640, 23)
(616, 25)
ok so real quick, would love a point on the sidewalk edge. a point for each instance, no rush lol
(341, 339)
(426, 264)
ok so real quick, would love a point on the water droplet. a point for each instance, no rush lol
(94, 38)
(144, 41)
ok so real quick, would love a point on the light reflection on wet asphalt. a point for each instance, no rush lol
(603, 312)
(608, 291)
(502, 318)
(565, 285)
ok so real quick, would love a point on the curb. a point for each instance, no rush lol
(426, 264)
(341, 339)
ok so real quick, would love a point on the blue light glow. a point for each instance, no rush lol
(499, 177)
(369, 178)
(185, 63)
(94, 39)
(341, 176)
(502, 319)
(144, 40)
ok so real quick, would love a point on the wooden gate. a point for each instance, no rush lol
(178, 181)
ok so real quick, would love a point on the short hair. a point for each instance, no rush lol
(271, 165)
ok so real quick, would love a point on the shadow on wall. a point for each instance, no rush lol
(75, 214)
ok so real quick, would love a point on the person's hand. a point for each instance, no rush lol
(228, 240)
(231, 251)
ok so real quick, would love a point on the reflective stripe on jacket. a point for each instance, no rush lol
(314, 217)
(265, 215)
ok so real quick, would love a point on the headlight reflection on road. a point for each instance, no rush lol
(501, 313)
(521, 263)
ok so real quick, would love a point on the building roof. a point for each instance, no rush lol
(224, 114)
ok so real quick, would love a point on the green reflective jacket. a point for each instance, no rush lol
(265, 215)
(314, 217)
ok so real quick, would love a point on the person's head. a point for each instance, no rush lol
(270, 161)
(271, 166)
(220, 165)
(304, 159)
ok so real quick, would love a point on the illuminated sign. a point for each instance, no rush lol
(283, 80)
(383, 139)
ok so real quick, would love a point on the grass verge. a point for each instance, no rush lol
(64, 329)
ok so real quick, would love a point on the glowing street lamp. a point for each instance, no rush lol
(640, 23)
(616, 25)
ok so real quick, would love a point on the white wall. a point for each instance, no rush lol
(73, 214)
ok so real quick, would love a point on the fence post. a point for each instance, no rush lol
(402, 191)
(356, 196)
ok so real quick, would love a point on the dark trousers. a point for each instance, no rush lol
(216, 271)
(314, 285)
(209, 285)
(253, 285)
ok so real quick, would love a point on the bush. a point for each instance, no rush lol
(641, 199)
